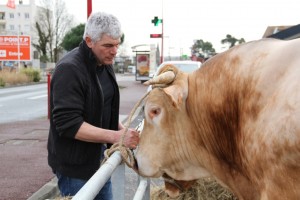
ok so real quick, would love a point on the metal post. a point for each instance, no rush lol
(48, 87)
(18, 36)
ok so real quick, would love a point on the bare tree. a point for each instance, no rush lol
(63, 23)
(43, 28)
(41, 44)
(53, 22)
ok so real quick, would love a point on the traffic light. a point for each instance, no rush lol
(156, 21)
(155, 35)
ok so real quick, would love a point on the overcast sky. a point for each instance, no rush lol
(187, 20)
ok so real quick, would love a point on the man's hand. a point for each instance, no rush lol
(131, 138)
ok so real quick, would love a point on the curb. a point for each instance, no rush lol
(48, 191)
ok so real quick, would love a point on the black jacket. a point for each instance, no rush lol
(76, 96)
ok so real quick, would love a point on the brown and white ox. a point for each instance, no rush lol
(236, 119)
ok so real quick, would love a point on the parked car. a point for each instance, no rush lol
(184, 65)
(131, 69)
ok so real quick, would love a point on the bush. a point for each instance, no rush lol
(2, 83)
(33, 74)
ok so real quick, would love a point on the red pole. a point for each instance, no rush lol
(162, 42)
(162, 32)
(48, 81)
(89, 8)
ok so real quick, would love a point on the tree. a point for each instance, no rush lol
(202, 49)
(73, 37)
(41, 45)
(51, 24)
(42, 32)
(232, 41)
(62, 24)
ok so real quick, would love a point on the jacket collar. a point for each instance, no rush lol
(87, 52)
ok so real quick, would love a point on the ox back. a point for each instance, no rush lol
(249, 98)
(239, 122)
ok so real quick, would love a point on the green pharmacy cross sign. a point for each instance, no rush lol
(156, 21)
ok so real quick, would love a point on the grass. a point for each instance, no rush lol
(10, 77)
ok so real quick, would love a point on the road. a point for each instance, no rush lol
(31, 102)
(23, 103)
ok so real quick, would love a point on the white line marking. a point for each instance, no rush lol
(38, 97)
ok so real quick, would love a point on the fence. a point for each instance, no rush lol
(97, 181)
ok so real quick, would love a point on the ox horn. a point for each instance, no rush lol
(162, 79)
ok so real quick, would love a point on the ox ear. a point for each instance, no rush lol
(176, 94)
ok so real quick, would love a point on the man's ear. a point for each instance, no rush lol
(89, 42)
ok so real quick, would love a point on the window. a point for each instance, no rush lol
(26, 15)
(11, 15)
(26, 28)
(2, 15)
(11, 27)
(2, 27)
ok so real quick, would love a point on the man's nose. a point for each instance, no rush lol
(114, 49)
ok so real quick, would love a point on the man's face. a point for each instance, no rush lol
(105, 49)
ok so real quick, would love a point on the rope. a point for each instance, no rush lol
(126, 153)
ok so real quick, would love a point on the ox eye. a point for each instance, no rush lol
(154, 112)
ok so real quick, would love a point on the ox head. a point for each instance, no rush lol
(167, 139)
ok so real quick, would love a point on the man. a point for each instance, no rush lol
(84, 104)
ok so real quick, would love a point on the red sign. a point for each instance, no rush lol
(155, 35)
(15, 48)
(11, 4)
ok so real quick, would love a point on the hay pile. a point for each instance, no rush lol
(204, 189)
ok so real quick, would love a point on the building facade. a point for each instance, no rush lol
(19, 21)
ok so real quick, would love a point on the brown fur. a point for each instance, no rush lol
(236, 119)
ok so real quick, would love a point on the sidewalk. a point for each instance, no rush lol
(23, 153)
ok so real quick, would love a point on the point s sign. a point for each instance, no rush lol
(12, 46)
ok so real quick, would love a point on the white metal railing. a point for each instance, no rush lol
(140, 192)
(90, 190)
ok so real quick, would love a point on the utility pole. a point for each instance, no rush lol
(89, 8)
(162, 32)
